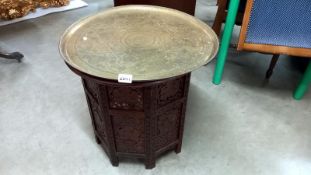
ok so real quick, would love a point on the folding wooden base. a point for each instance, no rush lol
(138, 120)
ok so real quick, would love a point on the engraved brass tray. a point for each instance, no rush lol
(149, 42)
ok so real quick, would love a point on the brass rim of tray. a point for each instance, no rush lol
(149, 42)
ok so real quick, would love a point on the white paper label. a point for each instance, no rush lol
(125, 78)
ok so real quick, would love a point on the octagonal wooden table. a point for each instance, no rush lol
(158, 47)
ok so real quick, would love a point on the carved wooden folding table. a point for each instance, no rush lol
(159, 47)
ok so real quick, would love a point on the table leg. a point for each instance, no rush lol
(225, 41)
(304, 84)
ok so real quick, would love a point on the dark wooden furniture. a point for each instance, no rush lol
(222, 12)
(139, 120)
(158, 47)
(187, 6)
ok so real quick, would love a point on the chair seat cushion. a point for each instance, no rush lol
(280, 22)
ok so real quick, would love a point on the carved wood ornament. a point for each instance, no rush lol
(138, 120)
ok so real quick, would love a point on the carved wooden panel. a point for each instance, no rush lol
(92, 88)
(167, 127)
(140, 119)
(170, 91)
(132, 100)
(129, 132)
(99, 124)
(92, 94)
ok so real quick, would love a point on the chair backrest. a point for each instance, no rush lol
(277, 27)
(187, 6)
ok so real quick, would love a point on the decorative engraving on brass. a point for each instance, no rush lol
(149, 42)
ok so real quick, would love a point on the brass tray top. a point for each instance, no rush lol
(149, 42)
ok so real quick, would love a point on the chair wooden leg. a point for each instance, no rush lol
(304, 84)
(217, 23)
(220, 16)
(273, 62)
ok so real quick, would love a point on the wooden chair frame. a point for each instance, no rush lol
(276, 50)
(221, 16)
(187, 6)
(225, 41)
